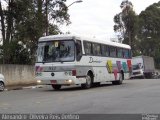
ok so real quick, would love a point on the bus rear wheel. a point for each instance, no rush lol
(96, 84)
(88, 83)
(120, 81)
(56, 87)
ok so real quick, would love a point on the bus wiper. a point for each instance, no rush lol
(43, 61)
(60, 60)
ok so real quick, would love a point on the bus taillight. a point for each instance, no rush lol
(38, 69)
(74, 72)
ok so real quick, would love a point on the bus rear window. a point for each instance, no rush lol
(126, 53)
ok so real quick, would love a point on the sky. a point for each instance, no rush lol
(94, 18)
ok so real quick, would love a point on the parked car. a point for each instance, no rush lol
(2, 84)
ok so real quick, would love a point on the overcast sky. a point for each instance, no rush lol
(94, 18)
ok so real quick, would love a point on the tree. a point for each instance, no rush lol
(56, 12)
(126, 24)
(7, 26)
(149, 32)
(26, 21)
(2, 22)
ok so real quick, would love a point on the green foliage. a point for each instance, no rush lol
(54, 30)
(27, 21)
(17, 53)
(119, 25)
(126, 25)
(143, 30)
(149, 32)
(131, 25)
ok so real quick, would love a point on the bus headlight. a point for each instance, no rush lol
(39, 81)
(69, 81)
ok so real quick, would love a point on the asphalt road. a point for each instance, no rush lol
(133, 96)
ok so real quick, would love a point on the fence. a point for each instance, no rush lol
(18, 74)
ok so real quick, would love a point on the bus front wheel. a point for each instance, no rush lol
(56, 87)
(2, 86)
(88, 83)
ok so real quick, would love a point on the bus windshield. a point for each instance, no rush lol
(56, 51)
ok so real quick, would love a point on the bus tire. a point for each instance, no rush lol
(2, 86)
(56, 87)
(88, 83)
(96, 84)
(120, 81)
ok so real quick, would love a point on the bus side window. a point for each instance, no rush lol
(130, 54)
(113, 52)
(78, 50)
(88, 48)
(124, 56)
(125, 53)
(105, 50)
(97, 49)
(119, 53)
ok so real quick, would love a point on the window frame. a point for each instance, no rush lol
(108, 49)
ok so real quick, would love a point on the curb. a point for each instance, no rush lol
(33, 87)
(21, 88)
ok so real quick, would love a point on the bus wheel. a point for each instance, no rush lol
(97, 84)
(120, 81)
(2, 86)
(88, 83)
(56, 87)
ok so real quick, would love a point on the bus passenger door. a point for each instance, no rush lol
(78, 50)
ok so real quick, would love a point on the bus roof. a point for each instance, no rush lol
(68, 37)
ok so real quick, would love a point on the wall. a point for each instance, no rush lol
(18, 74)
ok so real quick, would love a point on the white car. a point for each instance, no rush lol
(2, 84)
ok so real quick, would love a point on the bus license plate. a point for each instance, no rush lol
(53, 81)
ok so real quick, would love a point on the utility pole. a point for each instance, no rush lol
(78, 1)
(47, 22)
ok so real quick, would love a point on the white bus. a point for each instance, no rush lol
(71, 60)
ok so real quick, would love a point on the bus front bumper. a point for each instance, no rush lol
(63, 81)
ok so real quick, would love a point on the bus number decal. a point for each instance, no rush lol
(56, 44)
